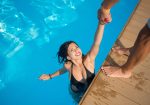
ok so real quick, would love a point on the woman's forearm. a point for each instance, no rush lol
(97, 40)
(99, 34)
(59, 72)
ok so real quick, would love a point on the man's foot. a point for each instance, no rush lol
(115, 72)
(121, 51)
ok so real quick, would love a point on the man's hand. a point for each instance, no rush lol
(104, 15)
(104, 12)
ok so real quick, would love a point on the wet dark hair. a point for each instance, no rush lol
(62, 53)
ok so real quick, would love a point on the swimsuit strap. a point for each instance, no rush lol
(71, 71)
(71, 67)
(88, 73)
(86, 70)
(84, 66)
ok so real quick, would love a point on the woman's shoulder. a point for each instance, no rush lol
(86, 58)
(87, 61)
(67, 65)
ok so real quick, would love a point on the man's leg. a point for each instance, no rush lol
(140, 50)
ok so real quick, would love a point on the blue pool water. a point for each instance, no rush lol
(31, 32)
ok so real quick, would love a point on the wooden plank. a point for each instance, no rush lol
(144, 66)
(143, 14)
(102, 94)
(130, 35)
(135, 23)
(133, 30)
(144, 9)
(140, 19)
(126, 42)
(139, 82)
(127, 90)
(144, 3)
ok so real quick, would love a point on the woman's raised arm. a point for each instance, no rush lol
(97, 40)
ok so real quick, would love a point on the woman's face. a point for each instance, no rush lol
(74, 52)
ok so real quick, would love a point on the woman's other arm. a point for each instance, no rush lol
(50, 76)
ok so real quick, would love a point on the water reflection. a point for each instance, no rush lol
(15, 29)
(57, 13)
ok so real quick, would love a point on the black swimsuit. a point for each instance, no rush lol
(80, 87)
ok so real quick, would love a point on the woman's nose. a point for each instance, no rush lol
(76, 50)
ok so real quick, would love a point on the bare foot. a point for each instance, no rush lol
(115, 72)
(121, 51)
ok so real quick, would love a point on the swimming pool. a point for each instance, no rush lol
(31, 32)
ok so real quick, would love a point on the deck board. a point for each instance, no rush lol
(120, 91)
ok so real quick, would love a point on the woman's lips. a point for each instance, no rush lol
(78, 53)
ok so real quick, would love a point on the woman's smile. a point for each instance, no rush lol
(78, 53)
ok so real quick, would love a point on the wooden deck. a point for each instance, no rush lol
(120, 91)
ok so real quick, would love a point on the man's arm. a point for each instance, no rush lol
(107, 4)
(104, 12)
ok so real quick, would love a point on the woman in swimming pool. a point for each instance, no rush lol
(80, 67)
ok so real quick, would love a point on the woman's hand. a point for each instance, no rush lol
(104, 16)
(45, 77)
